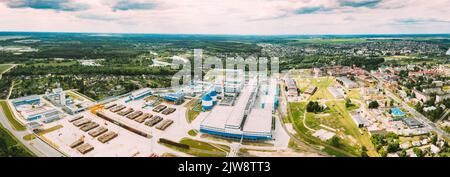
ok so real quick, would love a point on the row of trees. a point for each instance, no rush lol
(90, 70)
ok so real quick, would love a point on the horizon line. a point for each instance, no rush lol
(223, 34)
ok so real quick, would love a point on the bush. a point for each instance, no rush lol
(393, 147)
(348, 103)
(314, 106)
(335, 141)
(418, 152)
(374, 105)
(402, 153)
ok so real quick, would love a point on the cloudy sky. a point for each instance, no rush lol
(227, 16)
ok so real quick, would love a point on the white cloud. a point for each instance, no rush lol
(234, 16)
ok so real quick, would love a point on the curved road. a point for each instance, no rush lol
(37, 146)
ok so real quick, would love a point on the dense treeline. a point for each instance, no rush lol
(323, 61)
(9, 147)
(5, 83)
(77, 70)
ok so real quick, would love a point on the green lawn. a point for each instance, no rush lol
(296, 112)
(203, 145)
(9, 115)
(192, 132)
(4, 67)
(201, 149)
(51, 129)
(11, 147)
(168, 155)
(322, 85)
(191, 114)
(354, 94)
(446, 88)
(341, 113)
(76, 94)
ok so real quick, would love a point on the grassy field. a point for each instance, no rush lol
(4, 67)
(191, 114)
(168, 155)
(296, 112)
(192, 132)
(322, 85)
(9, 115)
(340, 111)
(354, 94)
(51, 129)
(76, 94)
(11, 147)
(202, 149)
(446, 88)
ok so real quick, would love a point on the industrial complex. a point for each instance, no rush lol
(244, 111)
(231, 106)
(227, 111)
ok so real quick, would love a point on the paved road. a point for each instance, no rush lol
(37, 146)
(445, 115)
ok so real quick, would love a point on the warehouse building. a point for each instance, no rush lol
(412, 123)
(177, 98)
(311, 90)
(336, 93)
(347, 83)
(44, 113)
(359, 120)
(139, 94)
(250, 115)
(292, 90)
(29, 100)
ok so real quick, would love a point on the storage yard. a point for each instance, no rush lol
(125, 127)
(133, 124)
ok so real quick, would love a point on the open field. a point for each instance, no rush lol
(201, 149)
(192, 132)
(339, 109)
(7, 111)
(12, 147)
(4, 67)
(191, 114)
(296, 112)
(354, 94)
(446, 88)
(76, 94)
(322, 85)
(43, 132)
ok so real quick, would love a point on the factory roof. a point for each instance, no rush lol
(335, 92)
(140, 91)
(291, 83)
(230, 118)
(347, 81)
(31, 97)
